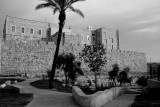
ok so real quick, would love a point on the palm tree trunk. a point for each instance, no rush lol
(61, 25)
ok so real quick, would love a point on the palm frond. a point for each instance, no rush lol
(55, 10)
(70, 2)
(49, 3)
(43, 5)
(76, 11)
(60, 3)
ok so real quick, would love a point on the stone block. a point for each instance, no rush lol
(8, 82)
(2, 85)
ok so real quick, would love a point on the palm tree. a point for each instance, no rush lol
(59, 6)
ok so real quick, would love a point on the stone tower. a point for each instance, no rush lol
(107, 37)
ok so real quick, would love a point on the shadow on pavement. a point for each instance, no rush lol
(43, 84)
(147, 98)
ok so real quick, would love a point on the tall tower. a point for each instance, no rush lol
(117, 35)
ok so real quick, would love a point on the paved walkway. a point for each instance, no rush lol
(51, 98)
(47, 98)
(125, 100)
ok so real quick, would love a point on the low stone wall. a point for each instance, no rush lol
(152, 84)
(95, 100)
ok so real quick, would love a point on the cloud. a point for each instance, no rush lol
(148, 30)
(147, 20)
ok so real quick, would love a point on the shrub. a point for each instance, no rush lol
(142, 81)
(114, 73)
(123, 76)
(82, 81)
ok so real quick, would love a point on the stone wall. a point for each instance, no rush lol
(97, 99)
(36, 57)
(135, 60)
(31, 57)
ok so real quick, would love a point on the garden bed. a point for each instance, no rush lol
(97, 99)
(91, 89)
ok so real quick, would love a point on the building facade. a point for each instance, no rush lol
(107, 37)
(24, 29)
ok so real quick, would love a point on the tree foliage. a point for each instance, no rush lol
(114, 72)
(94, 56)
(71, 67)
(142, 81)
(123, 76)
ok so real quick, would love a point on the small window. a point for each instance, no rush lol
(112, 47)
(112, 40)
(93, 38)
(13, 28)
(87, 37)
(106, 41)
(22, 29)
(31, 31)
(40, 32)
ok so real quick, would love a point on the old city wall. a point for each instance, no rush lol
(134, 60)
(35, 57)
(30, 57)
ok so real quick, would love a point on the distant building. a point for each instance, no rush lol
(107, 37)
(24, 29)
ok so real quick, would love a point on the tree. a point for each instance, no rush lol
(75, 72)
(114, 73)
(123, 76)
(94, 56)
(71, 67)
(59, 6)
(142, 81)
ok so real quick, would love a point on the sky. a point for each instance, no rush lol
(138, 21)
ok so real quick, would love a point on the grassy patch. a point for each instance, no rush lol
(43, 84)
(14, 99)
